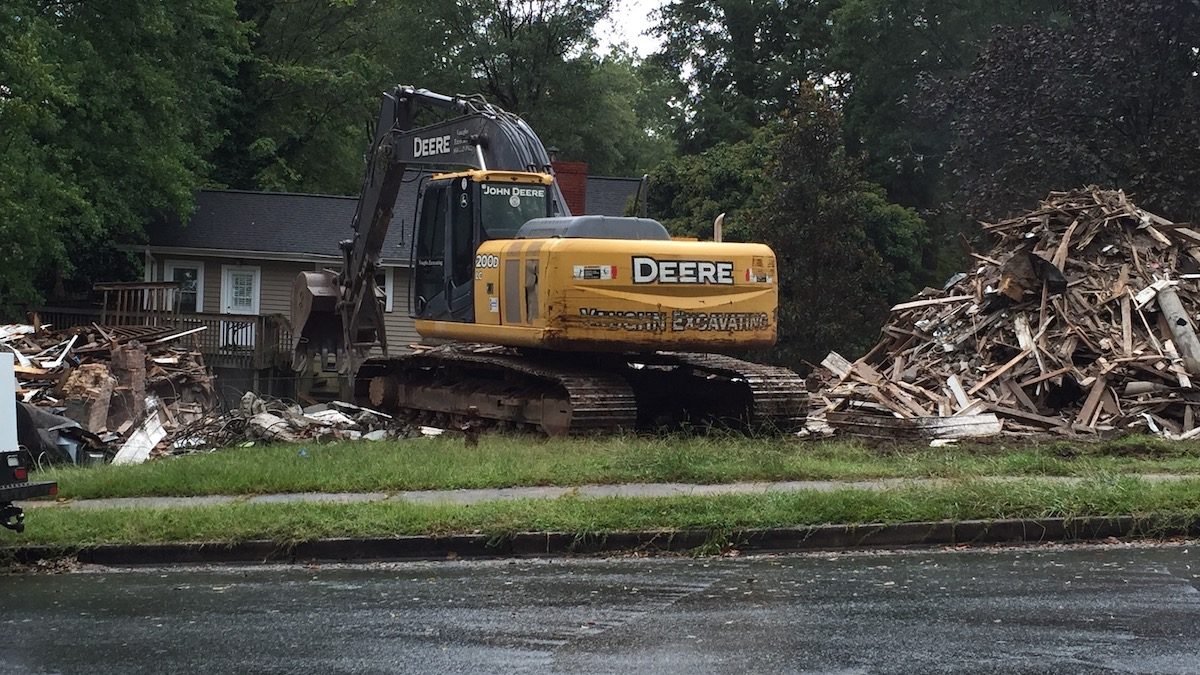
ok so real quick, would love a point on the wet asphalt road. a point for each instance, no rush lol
(1101, 609)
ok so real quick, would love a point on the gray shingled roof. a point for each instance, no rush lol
(608, 196)
(290, 223)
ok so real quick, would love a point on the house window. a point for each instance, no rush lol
(383, 278)
(190, 275)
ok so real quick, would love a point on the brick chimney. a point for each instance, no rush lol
(572, 180)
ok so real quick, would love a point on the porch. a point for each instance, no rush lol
(248, 342)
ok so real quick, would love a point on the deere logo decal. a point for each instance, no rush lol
(647, 270)
(438, 145)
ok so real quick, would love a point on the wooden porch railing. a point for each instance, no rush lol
(228, 341)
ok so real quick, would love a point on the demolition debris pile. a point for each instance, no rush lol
(270, 420)
(129, 393)
(1079, 321)
(90, 389)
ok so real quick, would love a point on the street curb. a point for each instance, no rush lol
(528, 544)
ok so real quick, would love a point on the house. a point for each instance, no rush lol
(237, 257)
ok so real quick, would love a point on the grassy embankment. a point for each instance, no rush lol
(502, 461)
(289, 523)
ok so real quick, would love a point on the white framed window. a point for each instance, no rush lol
(190, 274)
(385, 277)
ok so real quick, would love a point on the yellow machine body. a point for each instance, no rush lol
(619, 295)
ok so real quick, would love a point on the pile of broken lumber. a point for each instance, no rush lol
(128, 387)
(1079, 321)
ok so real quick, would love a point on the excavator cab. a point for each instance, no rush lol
(456, 213)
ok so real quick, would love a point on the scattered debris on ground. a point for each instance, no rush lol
(1079, 322)
(91, 392)
(126, 394)
(258, 420)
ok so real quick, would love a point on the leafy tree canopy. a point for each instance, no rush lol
(881, 51)
(107, 113)
(1109, 97)
(845, 254)
(736, 63)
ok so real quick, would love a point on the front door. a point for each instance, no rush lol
(239, 295)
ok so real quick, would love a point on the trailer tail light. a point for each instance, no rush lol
(21, 474)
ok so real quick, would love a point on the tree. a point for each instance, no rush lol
(537, 58)
(844, 253)
(1107, 97)
(881, 51)
(311, 86)
(688, 192)
(736, 63)
(106, 116)
(309, 95)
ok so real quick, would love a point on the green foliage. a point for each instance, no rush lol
(309, 95)
(688, 192)
(845, 254)
(735, 64)
(538, 59)
(1107, 97)
(106, 116)
(306, 93)
(881, 51)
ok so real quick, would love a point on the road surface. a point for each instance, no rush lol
(1097, 609)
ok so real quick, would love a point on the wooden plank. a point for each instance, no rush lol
(999, 371)
(1060, 255)
(1126, 326)
(1018, 392)
(837, 364)
(956, 389)
(179, 335)
(1093, 400)
(967, 426)
(1005, 411)
(915, 304)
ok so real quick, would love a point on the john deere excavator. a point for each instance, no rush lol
(563, 323)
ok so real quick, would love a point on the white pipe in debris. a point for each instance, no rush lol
(717, 225)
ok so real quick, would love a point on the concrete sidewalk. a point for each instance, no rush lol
(554, 492)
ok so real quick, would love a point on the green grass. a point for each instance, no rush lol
(502, 461)
(289, 523)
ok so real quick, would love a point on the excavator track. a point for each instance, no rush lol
(778, 396)
(473, 385)
(469, 385)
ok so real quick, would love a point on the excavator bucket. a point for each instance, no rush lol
(316, 321)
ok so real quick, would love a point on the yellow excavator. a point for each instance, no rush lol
(541, 319)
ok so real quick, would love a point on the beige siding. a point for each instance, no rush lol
(400, 328)
(275, 291)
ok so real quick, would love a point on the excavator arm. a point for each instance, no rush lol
(342, 312)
